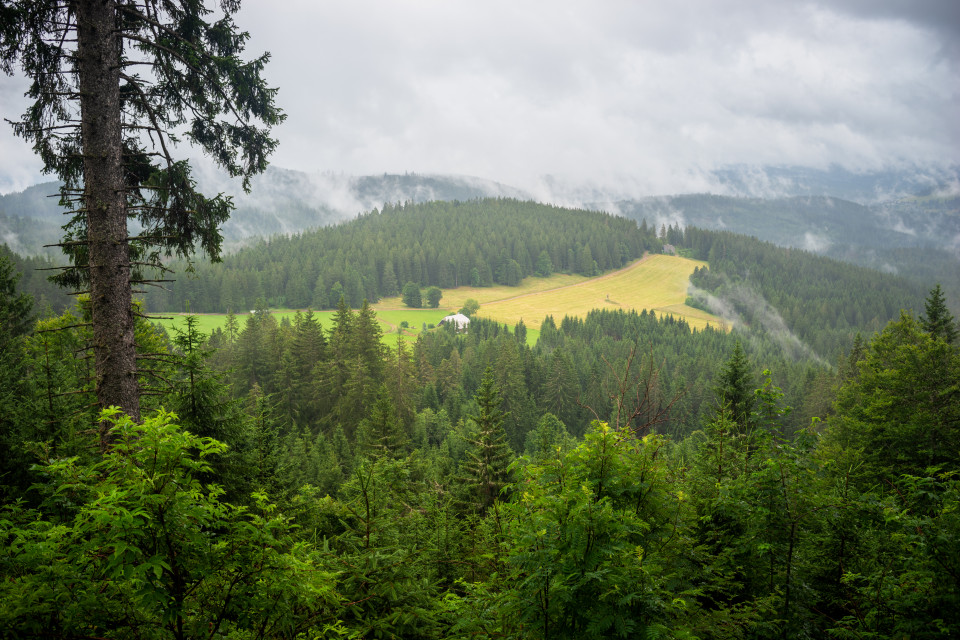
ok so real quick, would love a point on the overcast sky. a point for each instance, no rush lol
(649, 95)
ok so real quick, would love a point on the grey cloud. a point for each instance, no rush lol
(628, 98)
(939, 15)
(815, 242)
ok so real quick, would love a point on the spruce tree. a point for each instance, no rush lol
(544, 265)
(485, 469)
(15, 307)
(265, 463)
(938, 320)
(200, 398)
(734, 390)
(306, 350)
(389, 286)
(382, 434)
(402, 381)
(903, 410)
(368, 342)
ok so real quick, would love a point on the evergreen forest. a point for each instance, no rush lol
(627, 476)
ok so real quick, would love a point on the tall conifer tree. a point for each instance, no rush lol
(111, 82)
(734, 390)
(938, 320)
(485, 467)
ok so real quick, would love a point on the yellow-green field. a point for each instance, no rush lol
(656, 282)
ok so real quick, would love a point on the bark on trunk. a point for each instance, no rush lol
(98, 49)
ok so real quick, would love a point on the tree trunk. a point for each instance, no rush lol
(98, 50)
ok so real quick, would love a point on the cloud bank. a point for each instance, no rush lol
(629, 98)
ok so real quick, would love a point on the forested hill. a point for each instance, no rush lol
(798, 298)
(812, 223)
(810, 305)
(444, 244)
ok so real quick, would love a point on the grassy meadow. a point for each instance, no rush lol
(656, 282)
(389, 320)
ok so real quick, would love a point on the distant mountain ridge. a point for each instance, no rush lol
(281, 201)
(866, 187)
(833, 212)
(814, 223)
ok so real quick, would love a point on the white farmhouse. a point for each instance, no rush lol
(459, 320)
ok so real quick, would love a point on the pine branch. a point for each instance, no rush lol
(71, 243)
(76, 266)
(69, 326)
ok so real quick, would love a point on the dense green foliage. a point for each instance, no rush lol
(316, 381)
(411, 295)
(485, 473)
(443, 244)
(433, 295)
(141, 548)
(626, 477)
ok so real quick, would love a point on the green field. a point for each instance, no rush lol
(416, 318)
(389, 320)
(656, 282)
(207, 322)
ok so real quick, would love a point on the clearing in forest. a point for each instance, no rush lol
(655, 282)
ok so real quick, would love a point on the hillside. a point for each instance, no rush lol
(898, 223)
(826, 211)
(812, 305)
(917, 237)
(443, 244)
(510, 243)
